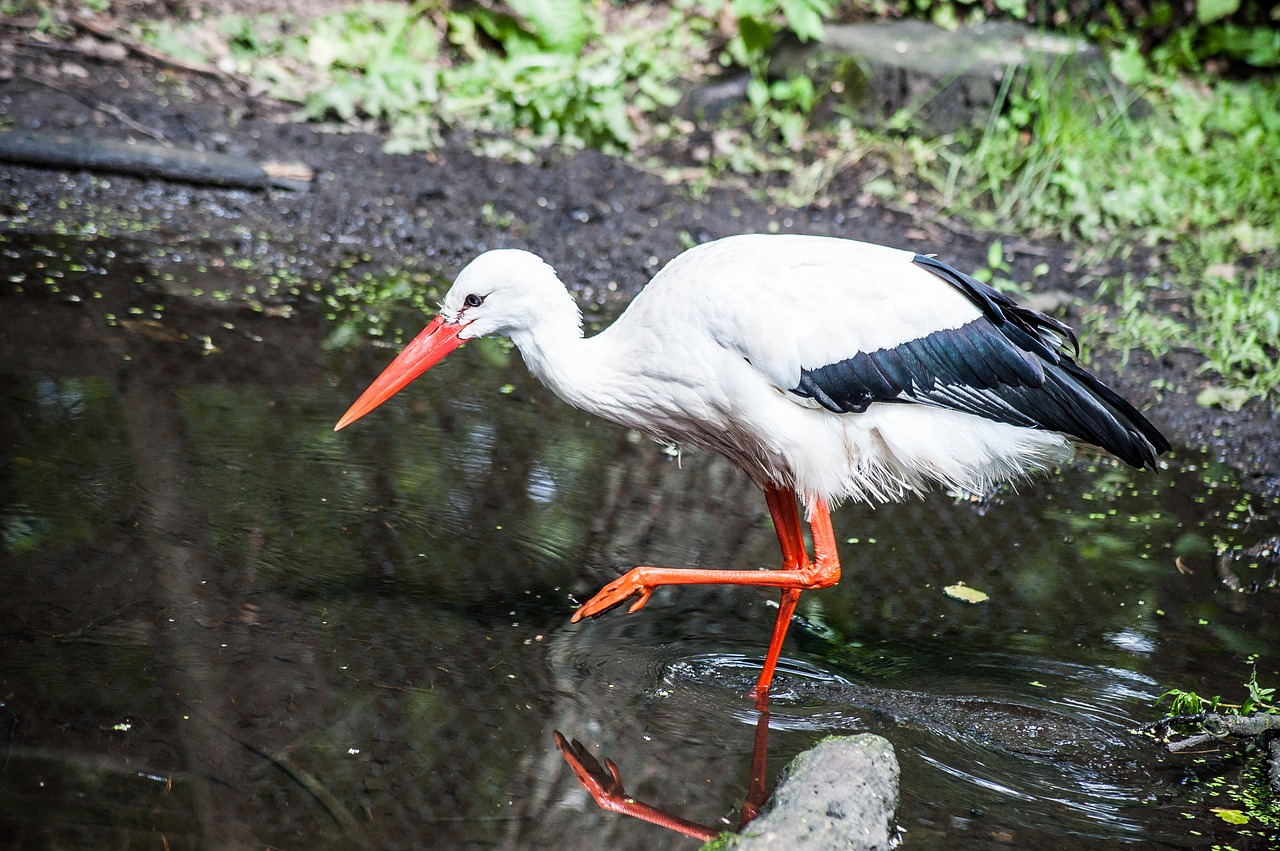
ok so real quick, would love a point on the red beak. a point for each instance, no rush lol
(427, 349)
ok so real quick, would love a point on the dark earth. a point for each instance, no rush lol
(605, 224)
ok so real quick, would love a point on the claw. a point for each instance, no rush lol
(603, 783)
(617, 592)
(639, 604)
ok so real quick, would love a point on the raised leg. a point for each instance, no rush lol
(798, 573)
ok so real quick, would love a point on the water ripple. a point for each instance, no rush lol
(1049, 759)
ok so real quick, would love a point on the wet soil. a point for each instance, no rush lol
(605, 224)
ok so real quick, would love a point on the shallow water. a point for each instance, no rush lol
(227, 625)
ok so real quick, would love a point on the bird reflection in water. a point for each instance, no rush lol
(604, 784)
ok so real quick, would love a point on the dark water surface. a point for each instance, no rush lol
(225, 625)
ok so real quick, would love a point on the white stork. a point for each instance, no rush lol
(827, 369)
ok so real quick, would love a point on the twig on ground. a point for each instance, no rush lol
(107, 109)
(111, 34)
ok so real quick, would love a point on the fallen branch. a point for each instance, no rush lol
(1217, 727)
(106, 109)
(110, 34)
(1273, 764)
(178, 164)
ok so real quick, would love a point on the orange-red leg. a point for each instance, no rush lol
(798, 573)
(757, 792)
(786, 522)
(785, 512)
(604, 783)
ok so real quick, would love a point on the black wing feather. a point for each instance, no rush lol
(1011, 365)
(1022, 368)
(896, 371)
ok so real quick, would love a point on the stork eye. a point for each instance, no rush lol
(473, 300)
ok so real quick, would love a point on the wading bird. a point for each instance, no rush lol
(827, 369)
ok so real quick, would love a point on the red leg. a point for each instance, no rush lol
(786, 522)
(606, 787)
(786, 608)
(641, 582)
(757, 794)
(798, 574)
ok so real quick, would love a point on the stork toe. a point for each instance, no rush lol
(630, 584)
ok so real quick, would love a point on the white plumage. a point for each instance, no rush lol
(826, 368)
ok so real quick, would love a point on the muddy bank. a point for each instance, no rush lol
(606, 225)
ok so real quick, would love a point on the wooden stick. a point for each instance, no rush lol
(201, 167)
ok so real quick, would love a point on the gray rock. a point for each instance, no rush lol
(945, 79)
(840, 794)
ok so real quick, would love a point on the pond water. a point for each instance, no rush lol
(227, 626)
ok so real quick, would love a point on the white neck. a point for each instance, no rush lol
(580, 371)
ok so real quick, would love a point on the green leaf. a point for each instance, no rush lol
(504, 29)
(755, 35)
(1230, 816)
(560, 25)
(1227, 398)
(995, 254)
(963, 592)
(1208, 11)
(1130, 63)
(805, 17)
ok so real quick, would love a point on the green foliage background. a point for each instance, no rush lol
(1195, 183)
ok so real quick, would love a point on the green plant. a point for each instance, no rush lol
(775, 106)
(757, 26)
(1260, 699)
(1131, 325)
(1238, 330)
(1032, 164)
(1062, 154)
(782, 107)
(999, 274)
(1188, 702)
(1233, 323)
(1242, 31)
(1257, 700)
(546, 73)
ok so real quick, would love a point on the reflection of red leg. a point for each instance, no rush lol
(757, 794)
(605, 785)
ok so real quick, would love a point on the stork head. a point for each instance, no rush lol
(505, 291)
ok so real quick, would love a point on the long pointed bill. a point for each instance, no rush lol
(427, 349)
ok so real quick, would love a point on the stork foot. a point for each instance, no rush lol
(633, 583)
(602, 782)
